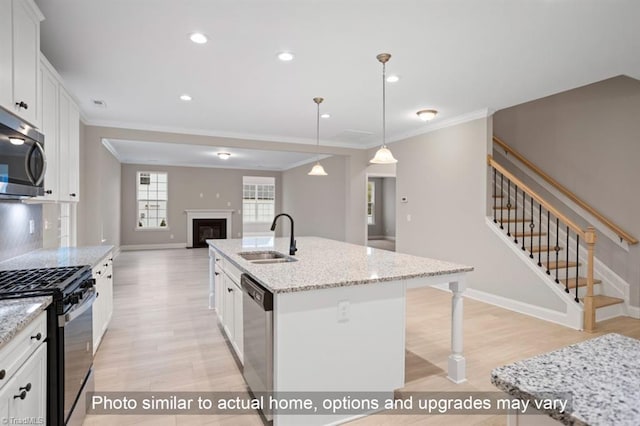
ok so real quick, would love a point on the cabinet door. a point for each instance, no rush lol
(98, 313)
(30, 385)
(26, 60)
(74, 152)
(227, 318)
(219, 289)
(49, 115)
(238, 333)
(64, 151)
(6, 64)
(108, 300)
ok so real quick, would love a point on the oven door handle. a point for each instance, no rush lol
(78, 310)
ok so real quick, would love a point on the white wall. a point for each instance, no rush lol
(444, 176)
(389, 205)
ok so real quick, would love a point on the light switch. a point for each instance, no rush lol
(217, 195)
(201, 195)
(32, 226)
(409, 218)
(228, 203)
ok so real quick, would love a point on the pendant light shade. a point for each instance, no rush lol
(383, 155)
(317, 169)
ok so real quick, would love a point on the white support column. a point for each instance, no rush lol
(457, 363)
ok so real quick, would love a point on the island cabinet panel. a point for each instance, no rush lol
(354, 335)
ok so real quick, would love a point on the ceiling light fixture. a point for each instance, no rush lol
(383, 155)
(16, 141)
(224, 155)
(317, 169)
(427, 114)
(325, 115)
(285, 56)
(198, 38)
(393, 78)
(185, 97)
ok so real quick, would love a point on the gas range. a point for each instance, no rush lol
(67, 285)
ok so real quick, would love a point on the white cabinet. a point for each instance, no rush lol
(228, 300)
(20, 53)
(103, 306)
(23, 373)
(61, 128)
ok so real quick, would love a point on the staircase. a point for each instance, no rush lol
(554, 243)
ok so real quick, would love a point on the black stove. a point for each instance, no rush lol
(64, 284)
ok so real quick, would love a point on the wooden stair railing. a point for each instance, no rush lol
(504, 182)
(623, 235)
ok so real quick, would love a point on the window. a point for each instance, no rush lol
(258, 199)
(152, 200)
(371, 205)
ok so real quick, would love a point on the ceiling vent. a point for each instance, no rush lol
(99, 103)
(354, 136)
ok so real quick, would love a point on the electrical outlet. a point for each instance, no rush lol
(409, 218)
(171, 237)
(344, 307)
(228, 203)
(47, 225)
(32, 226)
(217, 195)
(201, 195)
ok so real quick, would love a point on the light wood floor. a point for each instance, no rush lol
(164, 338)
(389, 245)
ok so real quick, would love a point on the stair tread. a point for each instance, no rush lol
(582, 282)
(527, 234)
(600, 301)
(544, 248)
(561, 264)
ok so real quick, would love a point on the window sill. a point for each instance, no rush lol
(164, 228)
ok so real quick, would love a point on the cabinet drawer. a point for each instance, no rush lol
(21, 347)
(103, 268)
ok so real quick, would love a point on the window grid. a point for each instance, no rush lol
(152, 194)
(258, 202)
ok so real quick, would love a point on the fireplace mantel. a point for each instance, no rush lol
(206, 214)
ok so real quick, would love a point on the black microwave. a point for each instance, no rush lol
(22, 159)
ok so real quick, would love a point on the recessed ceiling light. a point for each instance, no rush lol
(224, 155)
(185, 97)
(427, 114)
(16, 141)
(393, 78)
(285, 56)
(325, 115)
(198, 38)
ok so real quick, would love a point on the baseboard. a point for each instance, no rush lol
(633, 311)
(153, 246)
(539, 312)
(381, 237)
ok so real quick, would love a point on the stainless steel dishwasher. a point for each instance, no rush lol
(257, 313)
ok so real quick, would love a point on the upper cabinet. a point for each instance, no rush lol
(61, 129)
(20, 58)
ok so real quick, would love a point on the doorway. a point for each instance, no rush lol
(381, 210)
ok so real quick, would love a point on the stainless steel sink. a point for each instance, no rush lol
(264, 257)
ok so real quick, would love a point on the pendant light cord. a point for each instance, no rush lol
(318, 130)
(384, 103)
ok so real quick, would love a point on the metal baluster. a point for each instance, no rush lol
(540, 235)
(566, 275)
(531, 226)
(495, 196)
(577, 299)
(509, 208)
(524, 201)
(515, 217)
(548, 242)
(557, 245)
(501, 200)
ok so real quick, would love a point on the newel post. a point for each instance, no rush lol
(589, 308)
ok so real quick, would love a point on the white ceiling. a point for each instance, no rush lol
(461, 57)
(160, 153)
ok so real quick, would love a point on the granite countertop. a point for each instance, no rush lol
(16, 314)
(603, 375)
(324, 263)
(55, 258)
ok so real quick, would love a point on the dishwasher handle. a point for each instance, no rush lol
(259, 294)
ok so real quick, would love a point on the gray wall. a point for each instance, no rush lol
(317, 203)
(444, 176)
(389, 203)
(588, 139)
(185, 186)
(99, 206)
(14, 228)
(377, 229)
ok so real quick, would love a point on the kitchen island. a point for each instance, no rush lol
(338, 313)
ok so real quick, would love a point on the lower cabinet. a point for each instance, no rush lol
(103, 306)
(23, 398)
(228, 300)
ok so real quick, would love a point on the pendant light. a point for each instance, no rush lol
(383, 155)
(317, 169)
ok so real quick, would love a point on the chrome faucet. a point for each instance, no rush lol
(292, 241)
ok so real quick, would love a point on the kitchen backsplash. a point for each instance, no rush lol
(15, 238)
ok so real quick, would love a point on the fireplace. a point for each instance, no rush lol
(208, 229)
(204, 224)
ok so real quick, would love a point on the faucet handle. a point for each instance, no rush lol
(293, 249)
